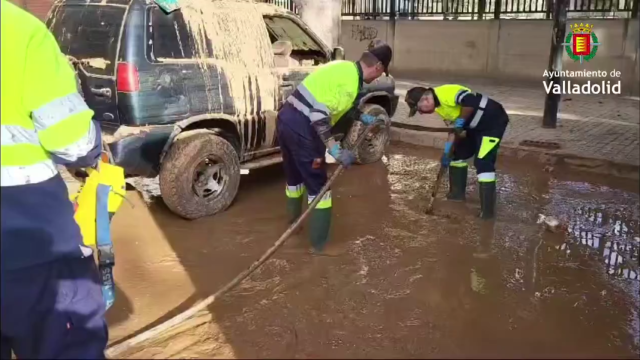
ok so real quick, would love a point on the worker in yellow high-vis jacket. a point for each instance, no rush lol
(482, 120)
(304, 132)
(51, 300)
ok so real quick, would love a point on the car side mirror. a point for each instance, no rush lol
(337, 53)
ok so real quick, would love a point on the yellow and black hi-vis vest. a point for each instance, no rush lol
(95, 204)
(450, 97)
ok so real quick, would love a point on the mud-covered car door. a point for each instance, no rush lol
(90, 34)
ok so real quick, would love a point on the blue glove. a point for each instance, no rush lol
(368, 119)
(344, 156)
(446, 160)
(458, 124)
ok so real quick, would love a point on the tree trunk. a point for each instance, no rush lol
(323, 17)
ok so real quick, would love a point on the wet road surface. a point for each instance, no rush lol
(403, 284)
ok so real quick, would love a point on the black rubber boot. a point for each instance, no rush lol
(487, 199)
(457, 183)
(294, 209)
(319, 226)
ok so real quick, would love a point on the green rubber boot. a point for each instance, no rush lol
(487, 199)
(319, 226)
(457, 183)
(294, 209)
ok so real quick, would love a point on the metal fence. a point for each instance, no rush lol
(418, 8)
(478, 9)
(287, 4)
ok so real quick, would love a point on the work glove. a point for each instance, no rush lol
(344, 156)
(458, 126)
(446, 160)
(368, 119)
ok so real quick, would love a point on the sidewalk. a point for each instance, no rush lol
(593, 131)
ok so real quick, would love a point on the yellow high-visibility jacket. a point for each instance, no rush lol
(327, 94)
(45, 122)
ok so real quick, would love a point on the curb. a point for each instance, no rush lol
(400, 133)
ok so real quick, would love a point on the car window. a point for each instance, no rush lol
(284, 29)
(170, 36)
(89, 33)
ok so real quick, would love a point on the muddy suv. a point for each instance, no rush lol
(192, 95)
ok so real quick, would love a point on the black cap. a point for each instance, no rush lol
(413, 97)
(374, 43)
(382, 51)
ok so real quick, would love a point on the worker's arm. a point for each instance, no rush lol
(61, 118)
(321, 122)
(470, 102)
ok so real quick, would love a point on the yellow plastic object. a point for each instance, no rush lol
(86, 199)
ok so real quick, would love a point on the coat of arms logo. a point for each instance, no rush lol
(581, 43)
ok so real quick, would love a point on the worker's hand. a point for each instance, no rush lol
(344, 156)
(368, 119)
(458, 124)
(446, 159)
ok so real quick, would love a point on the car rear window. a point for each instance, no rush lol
(170, 36)
(89, 32)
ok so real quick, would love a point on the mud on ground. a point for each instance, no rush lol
(404, 284)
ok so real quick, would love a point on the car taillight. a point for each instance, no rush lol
(127, 78)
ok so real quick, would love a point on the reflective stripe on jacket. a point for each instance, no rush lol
(329, 92)
(43, 115)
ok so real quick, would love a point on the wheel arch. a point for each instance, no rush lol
(222, 125)
(381, 98)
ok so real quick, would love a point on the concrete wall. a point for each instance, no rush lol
(356, 35)
(508, 49)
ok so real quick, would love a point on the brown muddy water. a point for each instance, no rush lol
(404, 284)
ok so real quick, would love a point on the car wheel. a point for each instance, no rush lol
(200, 175)
(374, 145)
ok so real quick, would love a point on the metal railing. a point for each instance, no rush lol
(417, 8)
(287, 4)
(478, 9)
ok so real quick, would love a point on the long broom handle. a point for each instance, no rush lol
(153, 332)
(441, 171)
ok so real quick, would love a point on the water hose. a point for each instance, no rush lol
(176, 320)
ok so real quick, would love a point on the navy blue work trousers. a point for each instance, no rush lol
(53, 310)
(483, 143)
(302, 150)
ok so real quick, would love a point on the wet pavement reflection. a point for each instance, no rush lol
(610, 237)
(578, 278)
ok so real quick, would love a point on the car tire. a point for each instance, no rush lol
(192, 165)
(372, 148)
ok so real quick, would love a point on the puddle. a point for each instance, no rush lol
(409, 285)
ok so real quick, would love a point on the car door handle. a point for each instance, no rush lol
(106, 92)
